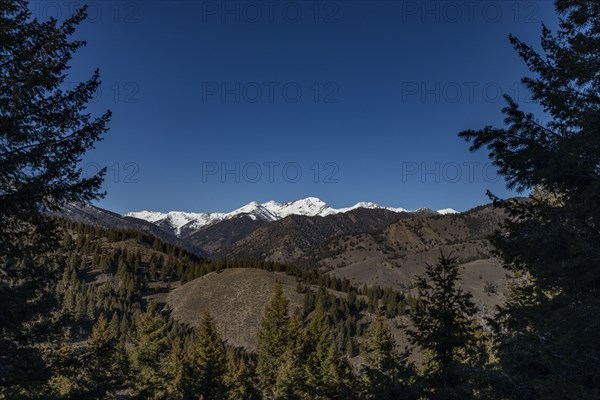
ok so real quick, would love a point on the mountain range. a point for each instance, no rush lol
(182, 223)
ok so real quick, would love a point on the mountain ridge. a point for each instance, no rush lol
(96, 216)
(182, 223)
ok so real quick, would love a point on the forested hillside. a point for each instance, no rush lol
(111, 310)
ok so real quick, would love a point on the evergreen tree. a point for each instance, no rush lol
(65, 365)
(290, 377)
(327, 373)
(207, 361)
(104, 367)
(444, 329)
(177, 380)
(44, 127)
(546, 332)
(272, 341)
(152, 269)
(114, 324)
(239, 378)
(147, 356)
(44, 130)
(386, 373)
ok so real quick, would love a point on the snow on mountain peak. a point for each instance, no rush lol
(446, 211)
(269, 211)
(366, 204)
(311, 206)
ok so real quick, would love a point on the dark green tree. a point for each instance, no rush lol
(444, 329)
(207, 361)
(44, 131)
(104, 361)
(177, 380)
(546, 332)
(65, 365)
(273, 340)
(386, 373)
(239, 377)
(290, 377)
(149, 377)
(327, 373)
(44, 128)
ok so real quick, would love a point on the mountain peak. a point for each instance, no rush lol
(310, 206)
(313, 200)
(446, 211)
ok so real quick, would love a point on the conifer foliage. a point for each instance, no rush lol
(273, 339)
(445, 330)
(44, 131)
(44, 128)
(546, 333)
(387, 374)
(207, 361)
(150, 347)
(104, 361)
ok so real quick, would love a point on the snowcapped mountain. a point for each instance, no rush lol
(179, 221)
(447, 211)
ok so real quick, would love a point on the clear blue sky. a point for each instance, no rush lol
(217, 104)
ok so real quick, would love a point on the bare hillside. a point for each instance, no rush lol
(235, 297)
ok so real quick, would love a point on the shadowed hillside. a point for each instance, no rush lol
(96, 216)
(218, 237)
(289, 239)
